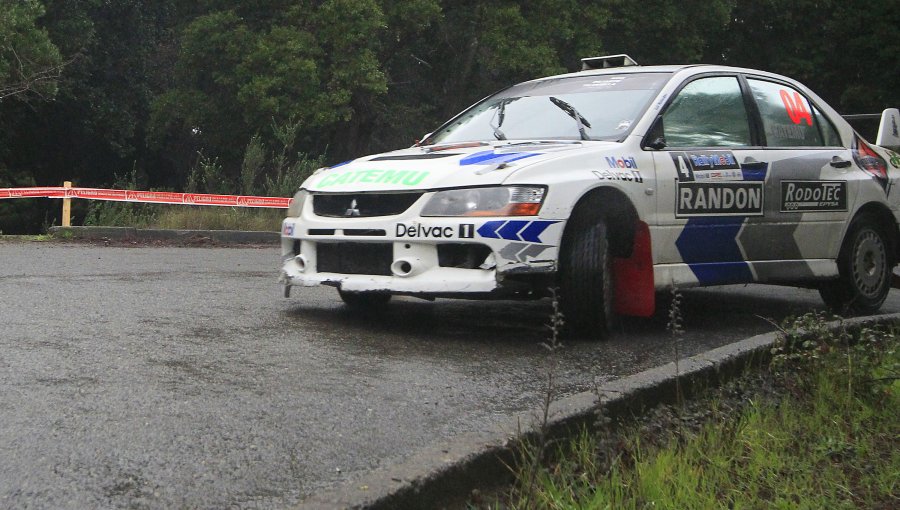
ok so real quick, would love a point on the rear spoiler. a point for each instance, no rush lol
(888, 129)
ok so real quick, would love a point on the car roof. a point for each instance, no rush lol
(671, 69)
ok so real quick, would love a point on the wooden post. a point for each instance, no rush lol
(67, 207)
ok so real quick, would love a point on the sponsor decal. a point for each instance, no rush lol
(36, 192)
(724, 175)
(612, 175)
(871, 163)
(719, 199)
(397, 177)
(786, 131)
(203, 199)
(804, 196)
(515, 230)
(491, 157)
(99, 194)
(712, 161)
(624, 162)
(697, 166)
(895, 159)
(154, 196)
(659, 103)
(796, 107)
(419, 231)
(245, 201)
(287, 229)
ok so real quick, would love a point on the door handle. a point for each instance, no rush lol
(838, 162)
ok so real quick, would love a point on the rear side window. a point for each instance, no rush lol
(708, 112)
(789, 120)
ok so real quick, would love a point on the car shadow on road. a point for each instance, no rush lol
(732, 312)
(498, 322)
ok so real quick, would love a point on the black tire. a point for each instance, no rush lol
(364, 300)
(585, 278)
(865, 263)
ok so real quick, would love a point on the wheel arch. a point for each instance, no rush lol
(886, 221)
(629, 245)
(614, 206)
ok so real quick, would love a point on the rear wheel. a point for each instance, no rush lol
(585, 278)
(864, 264)
(368, 299)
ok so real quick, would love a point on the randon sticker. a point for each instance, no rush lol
(719, 199)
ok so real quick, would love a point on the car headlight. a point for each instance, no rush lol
(496, 201)
(297, 203)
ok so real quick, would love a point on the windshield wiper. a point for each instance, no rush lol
(500, 115)
(572, 112)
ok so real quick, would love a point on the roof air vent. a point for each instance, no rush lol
(607, 62)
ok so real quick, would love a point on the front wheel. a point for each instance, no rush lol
(364, 300)
(864, 265)
(585, 280)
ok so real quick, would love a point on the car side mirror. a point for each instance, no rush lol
(656, 135)
(658, 143)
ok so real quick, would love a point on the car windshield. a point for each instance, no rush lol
(598, 107)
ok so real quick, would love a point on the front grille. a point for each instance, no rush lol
(362, 205)
(355, 258)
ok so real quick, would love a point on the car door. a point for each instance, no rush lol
(710, 181)
(810, 186)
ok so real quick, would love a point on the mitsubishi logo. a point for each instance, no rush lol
(353, 211)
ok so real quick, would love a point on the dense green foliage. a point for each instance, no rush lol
(94, 88)
(29, 61)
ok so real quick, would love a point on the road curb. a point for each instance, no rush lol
(443, 475)
(145, 234)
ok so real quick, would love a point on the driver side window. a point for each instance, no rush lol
(708, 112)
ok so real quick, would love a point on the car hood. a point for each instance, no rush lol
(441, 166)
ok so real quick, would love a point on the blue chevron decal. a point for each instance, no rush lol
(709, 246)
(532, 233)
(489, 229)
(515, 230)
(511, 230)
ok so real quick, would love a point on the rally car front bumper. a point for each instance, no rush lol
(418, 256)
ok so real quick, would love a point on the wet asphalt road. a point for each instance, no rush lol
(179, 377)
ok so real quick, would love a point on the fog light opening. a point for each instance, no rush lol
(300, 261)
(404, 267)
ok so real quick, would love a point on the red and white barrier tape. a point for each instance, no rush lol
(155, 197)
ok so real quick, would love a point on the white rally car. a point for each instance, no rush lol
(611, 184)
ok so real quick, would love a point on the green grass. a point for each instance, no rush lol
(24, 238)
(113, 214)
(219, 218)
(827, 437)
